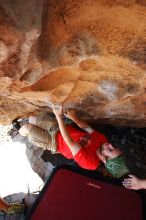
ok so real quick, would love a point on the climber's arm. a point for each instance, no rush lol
(82, 124)
(73, 146)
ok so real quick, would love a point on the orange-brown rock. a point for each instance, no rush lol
(83, 54)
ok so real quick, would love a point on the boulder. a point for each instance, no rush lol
(83, 54)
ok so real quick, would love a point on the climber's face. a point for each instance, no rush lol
(107, 151)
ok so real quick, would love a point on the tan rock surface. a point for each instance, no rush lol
(85, 54)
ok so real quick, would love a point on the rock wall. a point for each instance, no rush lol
(83, 54)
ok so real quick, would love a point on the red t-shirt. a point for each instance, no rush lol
(86, 157)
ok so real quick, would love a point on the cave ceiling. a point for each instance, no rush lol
(83, 54)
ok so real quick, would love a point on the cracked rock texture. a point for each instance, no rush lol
(83, 54)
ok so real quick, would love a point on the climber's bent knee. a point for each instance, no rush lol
(24, 130)
(33, 120)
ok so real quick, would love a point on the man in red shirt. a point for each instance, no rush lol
(87, 146)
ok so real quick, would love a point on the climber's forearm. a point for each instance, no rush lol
(81, 123)
(84, 125)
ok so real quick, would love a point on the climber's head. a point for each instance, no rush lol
(107, 151)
